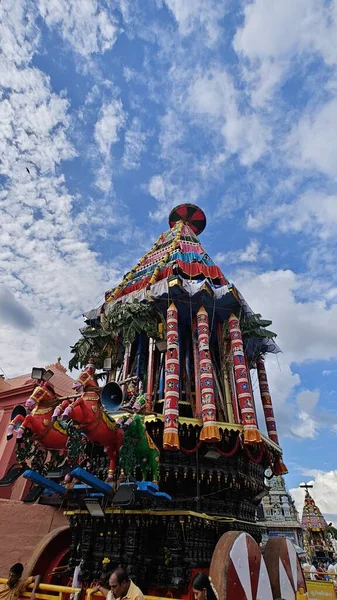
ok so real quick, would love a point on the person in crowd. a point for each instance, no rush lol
(203, 588)
(331, 571)
(313, 573)
(15, 585)
(121, 586)
(320, 572)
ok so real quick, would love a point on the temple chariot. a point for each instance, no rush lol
(159, 452)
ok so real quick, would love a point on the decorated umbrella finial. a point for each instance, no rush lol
(171, 404)
(251, 434)
(210, 431)
(190, 214)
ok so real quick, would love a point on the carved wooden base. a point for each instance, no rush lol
(159, 551)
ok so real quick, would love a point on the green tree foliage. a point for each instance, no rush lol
(123, 322)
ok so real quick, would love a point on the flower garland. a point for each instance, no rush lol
(260, 455)
(232, 452)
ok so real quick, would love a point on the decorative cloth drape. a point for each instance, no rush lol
(210, 431)
(251, 434)
(171, 404)
(266, 401)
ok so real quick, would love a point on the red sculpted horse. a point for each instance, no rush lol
(42, 403)
(88, 412)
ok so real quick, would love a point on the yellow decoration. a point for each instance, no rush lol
(109, 422)
(59, 428)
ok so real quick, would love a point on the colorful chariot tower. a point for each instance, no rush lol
(194, 346)
(317, 539)
(178, 347)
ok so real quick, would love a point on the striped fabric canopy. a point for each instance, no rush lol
(177, 251)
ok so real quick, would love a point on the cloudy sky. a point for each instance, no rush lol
(110, 117)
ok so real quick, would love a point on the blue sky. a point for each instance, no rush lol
(119, 115)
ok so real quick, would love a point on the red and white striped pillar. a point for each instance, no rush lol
(171, 403)
(266, 401)
(210, 431)
(251, 434)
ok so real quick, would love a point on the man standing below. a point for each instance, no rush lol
(15, 586)
(121, 587)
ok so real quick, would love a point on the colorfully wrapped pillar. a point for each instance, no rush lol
(279, 467)
(171, 403)
(266, 401)
(126, 365)
(251, 434)
(228, 398)
(196, 364)
(210, 431)
(150, 366)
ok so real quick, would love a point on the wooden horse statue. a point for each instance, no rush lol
(138, 450)
(42, 403)
(88, 412)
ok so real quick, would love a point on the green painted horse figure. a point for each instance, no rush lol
(138, 449)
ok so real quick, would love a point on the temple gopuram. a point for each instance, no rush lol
(318, 541)
(158, 452)
(277, 513)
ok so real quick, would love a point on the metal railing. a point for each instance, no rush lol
(48, 591)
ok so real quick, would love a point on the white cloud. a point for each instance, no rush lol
(282, 382)
(85, 24)
(172, 135)
(17, 43)
(307, 328)
(157, 187)
(169, 193)
(312, 213)
(45, 260)
(306, 332)
(192, 15)
(275, 32)
(213, 94)
(306, 427)
(111, 120)
(135, 145)
(307, 401)
(250, 254)
(323, 492)
(312, 144)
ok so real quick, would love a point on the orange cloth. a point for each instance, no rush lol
(7, 593)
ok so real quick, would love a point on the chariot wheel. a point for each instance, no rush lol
(238, 569)
(284, 568)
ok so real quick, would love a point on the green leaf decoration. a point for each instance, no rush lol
(252, 326)
(95, 343)
(332, 530)
(131, 318)
(123, 322)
